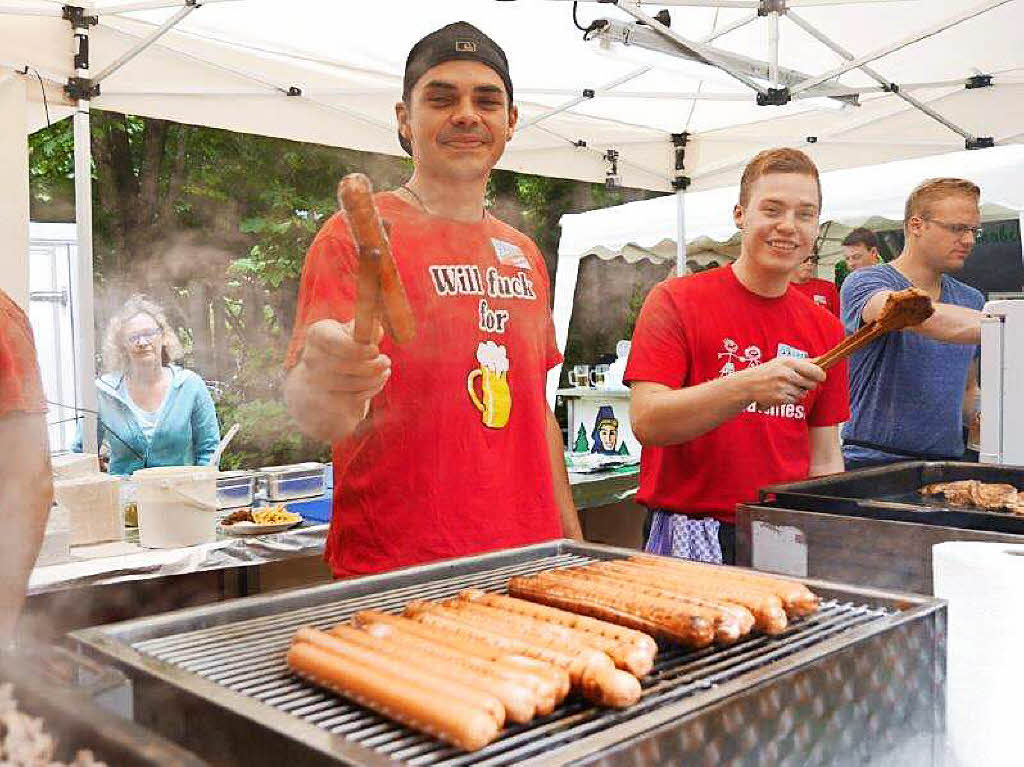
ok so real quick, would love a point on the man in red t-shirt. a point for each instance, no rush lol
(822, 292)
(725, 398)
(444, 446)
(26, 481)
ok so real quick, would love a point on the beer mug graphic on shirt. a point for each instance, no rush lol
(495, 404)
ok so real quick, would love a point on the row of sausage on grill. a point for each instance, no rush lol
(459, 669)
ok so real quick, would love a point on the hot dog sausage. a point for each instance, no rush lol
(797, 599)
(624, 571)
(355, 195)
(360, 647)
(591, 670)
(613, 631)
(460, 676)
(690, 631)
(455, 722)
(727, 628)
(769, 616)
(550, 682)
(519, 698)
(505, 635)
(625, 656)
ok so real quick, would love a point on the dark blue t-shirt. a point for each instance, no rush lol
(906, 391)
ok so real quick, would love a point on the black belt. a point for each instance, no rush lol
(901, 453)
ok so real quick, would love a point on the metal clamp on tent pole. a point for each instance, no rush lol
(76, 15)
(771, 6)
(978, 81)
(680, 182)
(774, 97)
(611, 178)
(81, 89)
(980, 142)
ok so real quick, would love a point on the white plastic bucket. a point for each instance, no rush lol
(177, 506)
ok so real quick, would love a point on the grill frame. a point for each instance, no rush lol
(167, 696)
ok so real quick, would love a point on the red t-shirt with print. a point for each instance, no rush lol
(700, 327)
(453, 457)
(21, 389)
(821, 292)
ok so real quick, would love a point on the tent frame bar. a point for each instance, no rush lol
(704, 54)
(153, 5)
(40, 10)
(586, 95)
(931, 31)
(873, 74)
(131, 53)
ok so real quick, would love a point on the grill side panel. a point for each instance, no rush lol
(879, 702)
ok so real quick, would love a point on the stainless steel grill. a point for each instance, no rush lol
(238, 664)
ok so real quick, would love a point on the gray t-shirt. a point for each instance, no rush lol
(906, 391)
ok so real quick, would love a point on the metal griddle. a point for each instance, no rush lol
(891, 493)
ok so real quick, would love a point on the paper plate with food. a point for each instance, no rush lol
(259, 521)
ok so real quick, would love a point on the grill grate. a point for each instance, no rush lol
(247, 657)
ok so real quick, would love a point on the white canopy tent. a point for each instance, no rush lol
(653, 106)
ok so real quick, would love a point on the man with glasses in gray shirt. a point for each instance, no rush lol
(910, 390)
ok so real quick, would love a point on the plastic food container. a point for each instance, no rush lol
(56, 546)
(299, 480)
(177, 506)
(236, 489)
(94, 507)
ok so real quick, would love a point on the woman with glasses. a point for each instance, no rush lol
(151, 412)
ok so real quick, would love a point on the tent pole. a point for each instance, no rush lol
(82, 313)
(773, 48)
(1020, 229)
(680, 232)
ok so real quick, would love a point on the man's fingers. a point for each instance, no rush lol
(335, 372)
(352, 384)
(333, 339)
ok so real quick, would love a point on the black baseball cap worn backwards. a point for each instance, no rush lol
(459, 41)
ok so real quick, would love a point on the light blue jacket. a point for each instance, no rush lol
(186, 431)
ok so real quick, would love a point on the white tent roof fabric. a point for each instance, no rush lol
(230, 64)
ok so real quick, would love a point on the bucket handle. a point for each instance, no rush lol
(189, 499)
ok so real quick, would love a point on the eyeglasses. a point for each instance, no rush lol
(144, 337)
(957, 229)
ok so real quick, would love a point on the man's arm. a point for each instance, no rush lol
(971, 391)
(950, 323)
(26, 486)
(826, 453)
(663, 416)
(560, 478)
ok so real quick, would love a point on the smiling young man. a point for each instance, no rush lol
(445, 446)
(725, 399)
(908, 390)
